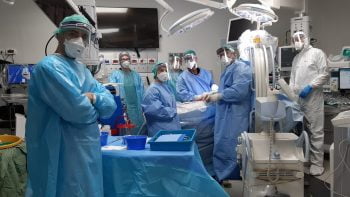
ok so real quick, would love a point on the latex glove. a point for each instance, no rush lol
(200, 97)
(214, 88)
(305, 92)
(91, 96)
(272, 92)
(213, 97)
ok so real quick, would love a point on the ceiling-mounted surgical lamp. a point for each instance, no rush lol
(185, 23)
(255, 12)
(189, 21)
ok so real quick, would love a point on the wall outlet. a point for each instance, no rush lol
(10, 52)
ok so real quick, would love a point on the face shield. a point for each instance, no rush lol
(190, 61)
(223, 55)
(299, 40)
(176, 63)
(86, 28)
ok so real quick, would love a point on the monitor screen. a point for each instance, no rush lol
(128, 27)
(237, 27)
(18, 73)
(56, 10)
(344, 78)
(287, 55)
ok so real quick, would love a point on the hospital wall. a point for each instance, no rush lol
(25, 28)
(330, 24)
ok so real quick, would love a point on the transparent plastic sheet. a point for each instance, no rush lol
(200, 116)
(293, 113)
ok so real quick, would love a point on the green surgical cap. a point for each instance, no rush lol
(190, 52)
(75, 21)
(155, 68)
(225, 47)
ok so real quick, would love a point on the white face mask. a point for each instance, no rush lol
(126, 64)
(74, 47)
(225, 60)
(192, 64)
(298, 45)
(163, 76)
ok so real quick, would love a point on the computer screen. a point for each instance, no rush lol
(128, 28)
(286, 55)
(344, 78)
(19, 73)
(237, 27)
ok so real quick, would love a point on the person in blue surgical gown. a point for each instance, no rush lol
(194, 82)
(62, 134)
(232, 112)
(131, 91)
(159, 105)
(174, 71)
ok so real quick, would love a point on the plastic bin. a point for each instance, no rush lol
(104, 138)
(185, 145)
(8, 141)
(135, 142)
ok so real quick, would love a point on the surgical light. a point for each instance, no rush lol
(189, 21)
(108, 30)
(255, 12)
(185, 23)
(111, 10)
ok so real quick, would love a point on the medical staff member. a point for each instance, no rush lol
(62, 134)
(131, 91)
(174, 71)
(159, 105)
(309, 74)
(232, 112)
(194, 82)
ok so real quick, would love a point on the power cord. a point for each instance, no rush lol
(341, 162)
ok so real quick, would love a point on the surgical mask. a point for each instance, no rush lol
(298, 45)
(192, 64)
(126, 64)
(74, 47)
(225, 60)
(163, 76)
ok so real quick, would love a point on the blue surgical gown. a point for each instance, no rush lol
(132, 92)
(174, 77)
(62, 135)
(232, 117)
(159, 107)
(190, 85)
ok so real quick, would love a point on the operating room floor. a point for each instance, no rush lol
(314, 186)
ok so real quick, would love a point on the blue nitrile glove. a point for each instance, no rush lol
(305, 92)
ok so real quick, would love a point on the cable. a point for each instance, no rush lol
(47, 43)
(331, 173)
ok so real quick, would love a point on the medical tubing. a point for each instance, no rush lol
(273, 69)
(304, 138)
(251, 120)
(47, 43)
(272, 141)
(248, 150)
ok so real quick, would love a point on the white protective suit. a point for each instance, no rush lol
(310, 68)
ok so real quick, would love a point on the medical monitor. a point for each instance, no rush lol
(128, 27)
(236, 27)
(286, 55)
(18, 73)
(344, 78)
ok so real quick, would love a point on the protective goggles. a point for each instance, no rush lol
(298, 37)
(189, 58)
(77, 26)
